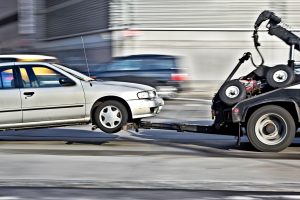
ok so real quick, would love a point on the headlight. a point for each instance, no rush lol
(152, 94)
(146, 95)
(143, 95)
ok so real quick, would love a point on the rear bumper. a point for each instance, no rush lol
(141, 108)
(166, 91)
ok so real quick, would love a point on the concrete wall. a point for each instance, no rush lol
(209, 35)
(206, 55)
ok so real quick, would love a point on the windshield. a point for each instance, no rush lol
(74, 73)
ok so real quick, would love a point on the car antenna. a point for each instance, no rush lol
(86, 60)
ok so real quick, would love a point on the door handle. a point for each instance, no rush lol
(28, 94)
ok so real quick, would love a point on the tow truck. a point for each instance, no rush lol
(264, 104)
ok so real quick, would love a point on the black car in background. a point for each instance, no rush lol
(158, 71)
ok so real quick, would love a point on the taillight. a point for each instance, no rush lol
(179, 77)
(235, 110)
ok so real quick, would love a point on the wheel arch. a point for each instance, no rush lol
(107, 98)
(290, 105)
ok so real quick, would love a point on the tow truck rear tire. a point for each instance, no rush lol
(232, 92)
(271, 129)
(280, 76)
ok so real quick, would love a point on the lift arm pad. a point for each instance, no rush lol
(266, 15)
(288, 37)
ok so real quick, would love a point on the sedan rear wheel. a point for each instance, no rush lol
(110, 116)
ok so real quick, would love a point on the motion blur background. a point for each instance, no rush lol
(208, 35)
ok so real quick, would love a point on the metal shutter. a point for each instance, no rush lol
(199, 14)
(74, 17)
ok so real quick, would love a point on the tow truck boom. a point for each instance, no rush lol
(275, 29)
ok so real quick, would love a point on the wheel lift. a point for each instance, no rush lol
(195, 128)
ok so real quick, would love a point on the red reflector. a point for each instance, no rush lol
(131, 33)
(236, 110)
(179, 77)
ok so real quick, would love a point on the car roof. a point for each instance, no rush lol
(9, 63)
(26, 57)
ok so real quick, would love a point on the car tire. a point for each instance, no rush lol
(232, 92)
(280, 76)
(271, 129)
(110, 116)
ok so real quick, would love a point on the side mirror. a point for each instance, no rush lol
(66, 82)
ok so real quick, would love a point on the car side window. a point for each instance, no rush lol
(159, 63)
(7, 79)
(47, 77)
(122, 64)
(40, 76)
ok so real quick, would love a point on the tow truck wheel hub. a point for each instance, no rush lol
(271, 129)
(232, 92)
(280, 76)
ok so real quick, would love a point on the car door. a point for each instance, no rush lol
(45, 99)
(10, 100)
(126, 70)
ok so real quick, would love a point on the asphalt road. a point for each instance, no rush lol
(133, 194)
(151, 163)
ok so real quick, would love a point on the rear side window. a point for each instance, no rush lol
(125, 64)
(142, 63)
(7, 79)
(159, 63)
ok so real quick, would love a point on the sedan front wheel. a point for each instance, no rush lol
(110, 116)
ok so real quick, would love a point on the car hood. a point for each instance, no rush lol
(124, 84)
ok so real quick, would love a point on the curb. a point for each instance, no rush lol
(167, 185)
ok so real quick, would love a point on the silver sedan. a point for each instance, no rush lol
(39, 94)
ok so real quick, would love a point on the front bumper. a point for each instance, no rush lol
(141, 108)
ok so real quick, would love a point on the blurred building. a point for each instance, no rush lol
(9, 37)
(76, 31)
(209, 35)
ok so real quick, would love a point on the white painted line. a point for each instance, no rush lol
(297, 197)
(189, 99)
(9, 198)
(192, 105)
(255, 197)
(240, 198)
